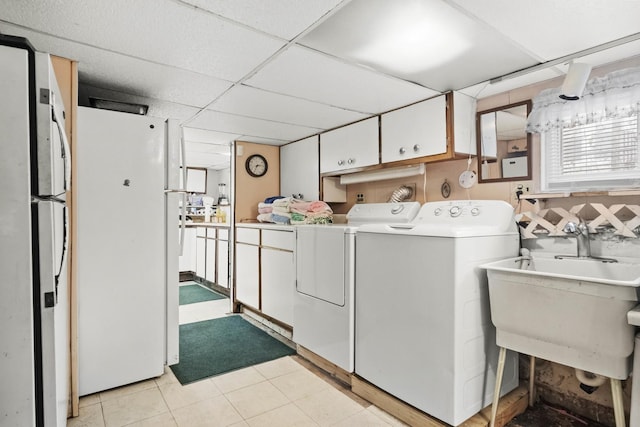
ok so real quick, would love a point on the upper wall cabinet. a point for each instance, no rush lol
(415, 131)
(440, 127)
(352, 146)
(299, 167)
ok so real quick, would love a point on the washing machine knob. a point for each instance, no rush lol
(455, 211)
(475, 211)
(437, 211)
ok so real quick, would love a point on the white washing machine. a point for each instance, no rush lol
(323, 305)
(423, 325)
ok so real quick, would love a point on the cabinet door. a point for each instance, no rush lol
(247, 279)
(278, 284)
(351, 146)
(299, 169)
(187, 261)
(201, 259)
(210, 261)
(415, 131)
(223, 263)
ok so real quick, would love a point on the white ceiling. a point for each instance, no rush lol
(274, 71)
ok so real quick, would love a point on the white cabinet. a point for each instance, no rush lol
(223, 257)
(247, 277)
(352, 146)
(415, 131)
(299, 169)
(265, 271)
(211, 256)
(278, 283)
(187, 261)
(441, 126)
(201, 251)
(248, 266)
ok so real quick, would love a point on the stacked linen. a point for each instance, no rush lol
(280, 211)
(316, 212)
(266, 208)
(264, 212)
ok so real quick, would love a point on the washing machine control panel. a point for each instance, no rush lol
(468, 215)
(455, 211)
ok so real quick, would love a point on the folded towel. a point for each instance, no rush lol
(320, 219)
(264, 205)
(284, 201)
(264, 210)
(280, 209)
(280, 219)
(272, 198)
(319, 206)
(298, 218)
(265, 217)
(300, 207)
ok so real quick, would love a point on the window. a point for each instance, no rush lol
(592, 143)
(595, 156)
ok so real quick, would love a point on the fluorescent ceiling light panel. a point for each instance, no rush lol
(412, 40)
(382, 174)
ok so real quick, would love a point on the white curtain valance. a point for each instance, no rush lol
(615, 95)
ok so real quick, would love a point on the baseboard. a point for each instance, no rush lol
(512, 404)
(322, 363)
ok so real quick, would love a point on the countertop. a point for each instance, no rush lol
(207, 224)
(265, 226)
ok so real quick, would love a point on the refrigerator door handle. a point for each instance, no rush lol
(183, 209)
(66, 151)
(183, 158)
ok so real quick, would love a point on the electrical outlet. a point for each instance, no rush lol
(518, 189)
(360, 198)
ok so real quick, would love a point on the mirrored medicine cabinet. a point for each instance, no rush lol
(504, 147)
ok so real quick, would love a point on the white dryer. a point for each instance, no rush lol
(423, 326)
(323, 305)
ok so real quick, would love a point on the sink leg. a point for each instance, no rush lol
(496, 392)
(618, 406)
(532, 381)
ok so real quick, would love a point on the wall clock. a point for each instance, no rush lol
(256, 165)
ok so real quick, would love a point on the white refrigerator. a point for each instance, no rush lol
(127, 247)
(34, 310)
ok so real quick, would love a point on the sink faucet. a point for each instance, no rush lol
(581, 231)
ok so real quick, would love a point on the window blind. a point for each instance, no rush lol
(593, 156)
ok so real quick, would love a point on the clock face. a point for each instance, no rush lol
(256, 165)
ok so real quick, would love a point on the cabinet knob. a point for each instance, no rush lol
(402, 150)
(416, 148)
(340, 162)
(351, 161)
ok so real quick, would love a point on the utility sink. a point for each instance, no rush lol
(570, 311)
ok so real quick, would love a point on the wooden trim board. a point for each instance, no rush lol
(514, 403)
(325, 365)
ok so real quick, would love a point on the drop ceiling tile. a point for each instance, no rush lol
(485, 89)
(208, 160)
(261, 140)
(551, 29)
(196, 136)
(424, 41)
(250, 127)
(170, 33)
(109, 70)
(257, 103)
(211, 148)
(306, 74)
(282, 18)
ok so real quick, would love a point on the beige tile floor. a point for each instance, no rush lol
(282, 392)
